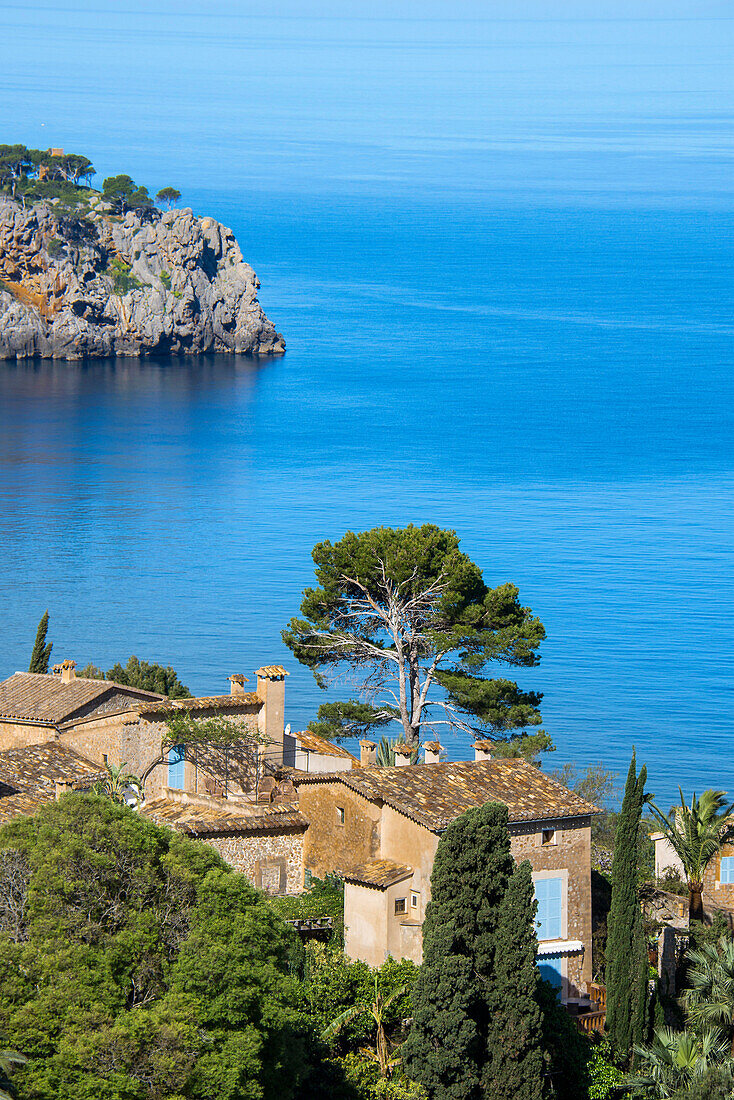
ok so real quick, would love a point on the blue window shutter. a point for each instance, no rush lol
(726, 871)
(549, 918)
(176, 766)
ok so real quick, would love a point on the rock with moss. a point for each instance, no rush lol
(85, 283)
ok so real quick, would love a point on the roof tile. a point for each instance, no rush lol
(436, 794)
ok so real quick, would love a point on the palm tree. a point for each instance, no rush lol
(9, 1059)
(696, 834)
(378, 1008)
(710, 1000)
(675, 1060)
(386, 752)
(119, 785)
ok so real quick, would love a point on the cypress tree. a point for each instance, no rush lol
(41, 651)
(626, 951)
(476, 1032)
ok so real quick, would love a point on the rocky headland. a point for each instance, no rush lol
(75, 286)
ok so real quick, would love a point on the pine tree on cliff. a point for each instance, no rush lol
(476, 1032)
(626, 952)
(41, 651)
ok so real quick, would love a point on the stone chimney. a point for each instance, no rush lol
(432, 750)
(237, 684)
(66, 671)
(403, 755)
(62, 786)
(482, 750)
(271, 719)
(367, 753)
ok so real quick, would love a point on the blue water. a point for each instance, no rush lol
(501, 254)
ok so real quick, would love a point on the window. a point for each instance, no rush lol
(726, 870)
(549, 918)
(548, 836)
(415, 900)
(176, 766)
(340, 815)
(307, 878)
(401, 906)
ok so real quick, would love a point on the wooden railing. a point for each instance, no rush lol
(598, 994)
(591, 1021)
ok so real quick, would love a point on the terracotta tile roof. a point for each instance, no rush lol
(272, 672)
(45, 699)
(38, 768)
(312, 743)
(19, 805)
(378, 872)
(30, 775)
(434, 795)
(205, 820)
(202, 702)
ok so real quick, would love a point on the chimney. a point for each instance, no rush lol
(271, 719)
(482, 750)
(403, 755)
(367, 753)
(237, 684)
(433, 752)
(66, 671)
(62, 786)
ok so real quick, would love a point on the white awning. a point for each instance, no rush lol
(560, 947)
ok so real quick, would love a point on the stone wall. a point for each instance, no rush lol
(272, 862)
(331, 845)
(570, 853)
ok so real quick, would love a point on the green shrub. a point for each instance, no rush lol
(55, 248)
(122, 280)
(165, 278)
(139, 965)
(604, 1075)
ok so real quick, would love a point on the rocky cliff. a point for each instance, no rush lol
(75, 286)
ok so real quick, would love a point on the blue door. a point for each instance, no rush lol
(551, 971)
(176, 764)
(549, 918)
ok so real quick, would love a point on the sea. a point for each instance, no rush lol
(499, 246)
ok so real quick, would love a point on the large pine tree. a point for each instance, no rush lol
(626, 952)
(41, 650)
(476, 1032)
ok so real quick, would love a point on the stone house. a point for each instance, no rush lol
(112, 722)
(380, 827)
(58, 730)
(262, 841)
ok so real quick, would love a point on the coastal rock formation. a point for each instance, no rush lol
(97, 285)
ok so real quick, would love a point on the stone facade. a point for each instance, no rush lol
(271, 862)
(348, 829)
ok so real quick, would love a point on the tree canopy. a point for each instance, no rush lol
(168, 196)
(134, 965)
(476, 1032)
(626, 950)
(408, 616)
(141, 674)
(41, 653)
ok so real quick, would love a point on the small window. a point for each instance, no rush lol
(401, 906)
(307, 878)
(415, 900)
(548, 836)
(726, 870)
(340, 815)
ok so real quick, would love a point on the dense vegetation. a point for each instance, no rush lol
(476, 1017)
(135, 964)
(31, 175)
(143, 675)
